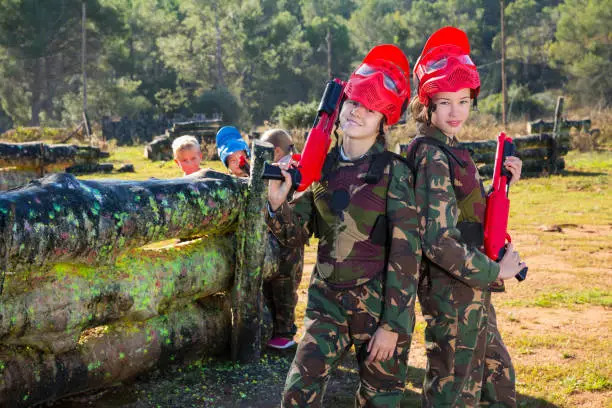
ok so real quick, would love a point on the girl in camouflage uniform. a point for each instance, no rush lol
(468, 364)
(363, 287)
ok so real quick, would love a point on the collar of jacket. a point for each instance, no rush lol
(434, 132)
(377, 147)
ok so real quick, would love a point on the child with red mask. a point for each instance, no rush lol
(363, 287)
(468, 363)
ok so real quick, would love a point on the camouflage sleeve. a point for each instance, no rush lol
(404, 253)
(291, 221)
(438, 213)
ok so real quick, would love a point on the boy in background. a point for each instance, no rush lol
(233, 151)
(187, 154)
(280, 291)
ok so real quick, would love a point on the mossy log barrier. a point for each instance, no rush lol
(94, 294)
(21, 162)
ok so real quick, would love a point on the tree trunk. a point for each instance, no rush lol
(251, 234)
(328, 39)
(35, 101)
(113, 353)
(51, 158)
(142, 285)
(219, 52)
(60, 218)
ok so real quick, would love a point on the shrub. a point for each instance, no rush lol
(299, 115)
(218, 101)
(31, 134)
(521, 104)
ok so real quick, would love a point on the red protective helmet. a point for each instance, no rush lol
(381, 82)
(445, 65)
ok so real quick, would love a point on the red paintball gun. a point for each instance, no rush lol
(310, 162)
(498, 205)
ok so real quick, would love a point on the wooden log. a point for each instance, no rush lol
(89, 168)
(112, 353)
(183, 127)
(143, 284)
(47, 158)
(251, 236)
(539, 167)
(541, 126)
(521, 142)
(159, 149)
(126, 168)
(485, 146)
(60, 218)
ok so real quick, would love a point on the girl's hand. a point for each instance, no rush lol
(510, 264)
(278, 190)
(382, 345)
(513, 165)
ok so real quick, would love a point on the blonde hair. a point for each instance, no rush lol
(183, 143)
(418, 110)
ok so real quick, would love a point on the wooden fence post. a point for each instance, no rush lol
(556, 139)
(251, 234)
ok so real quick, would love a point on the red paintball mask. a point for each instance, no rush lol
(445, 65)
(381, 82)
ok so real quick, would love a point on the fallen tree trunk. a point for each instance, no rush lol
(536, 167)
(112, 353)
(60, 218)
(49, 310)
(47, 158)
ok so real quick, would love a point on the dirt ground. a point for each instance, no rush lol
(224, 385)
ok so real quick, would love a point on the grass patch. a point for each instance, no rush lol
(553, 200)
(589, 162)
(560, 381)
(145, 168)
(565, 298)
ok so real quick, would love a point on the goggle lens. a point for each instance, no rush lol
(367, 70)
(438, 64)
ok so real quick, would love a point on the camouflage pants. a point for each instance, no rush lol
(468, 364)
(335, 320)
(280, 290)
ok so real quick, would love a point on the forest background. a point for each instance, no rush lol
(267, 60)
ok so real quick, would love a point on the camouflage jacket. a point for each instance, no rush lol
(348, 253)
(439, 212)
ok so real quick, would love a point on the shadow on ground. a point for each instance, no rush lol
(221, 384)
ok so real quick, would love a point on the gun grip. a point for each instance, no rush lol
(271, 172)
(509, 150)
(522, 275)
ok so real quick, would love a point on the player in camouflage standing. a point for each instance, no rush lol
(363, 286)
(280, 290)
(468, 364)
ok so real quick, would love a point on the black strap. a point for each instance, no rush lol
(414, 146)
(329, 163)
(378, 164)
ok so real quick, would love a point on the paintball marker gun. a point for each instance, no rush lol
(498, 205)
(317, 144)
